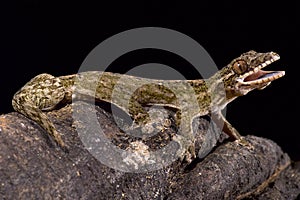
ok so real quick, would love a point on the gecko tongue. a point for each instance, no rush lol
(260, 75)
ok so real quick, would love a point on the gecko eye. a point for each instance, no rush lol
(239, 66)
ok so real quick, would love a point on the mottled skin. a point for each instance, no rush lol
(191, 98)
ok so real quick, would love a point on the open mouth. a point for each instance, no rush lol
(258, 76)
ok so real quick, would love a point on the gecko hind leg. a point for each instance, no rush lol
(186, 150)
(145, 122)
(157, 120)
(42, 93)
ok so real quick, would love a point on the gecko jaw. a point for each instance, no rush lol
(261, 77)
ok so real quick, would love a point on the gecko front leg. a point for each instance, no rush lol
(230, 130)
(225, 126)
(42, 93)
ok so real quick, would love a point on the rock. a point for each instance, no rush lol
(32, 166)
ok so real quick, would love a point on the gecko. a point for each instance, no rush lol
(191, 98)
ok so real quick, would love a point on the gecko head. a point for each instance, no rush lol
(245, 73)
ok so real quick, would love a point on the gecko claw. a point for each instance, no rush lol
(245, 143)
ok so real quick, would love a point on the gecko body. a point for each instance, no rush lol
(191, 98)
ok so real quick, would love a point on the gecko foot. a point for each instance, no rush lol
(187, 148)
(241, 141)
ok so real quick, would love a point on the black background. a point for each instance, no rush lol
(54, 37)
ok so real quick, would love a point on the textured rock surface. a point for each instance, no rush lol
(33, 167)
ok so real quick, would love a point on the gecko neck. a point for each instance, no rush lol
(218, 91)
